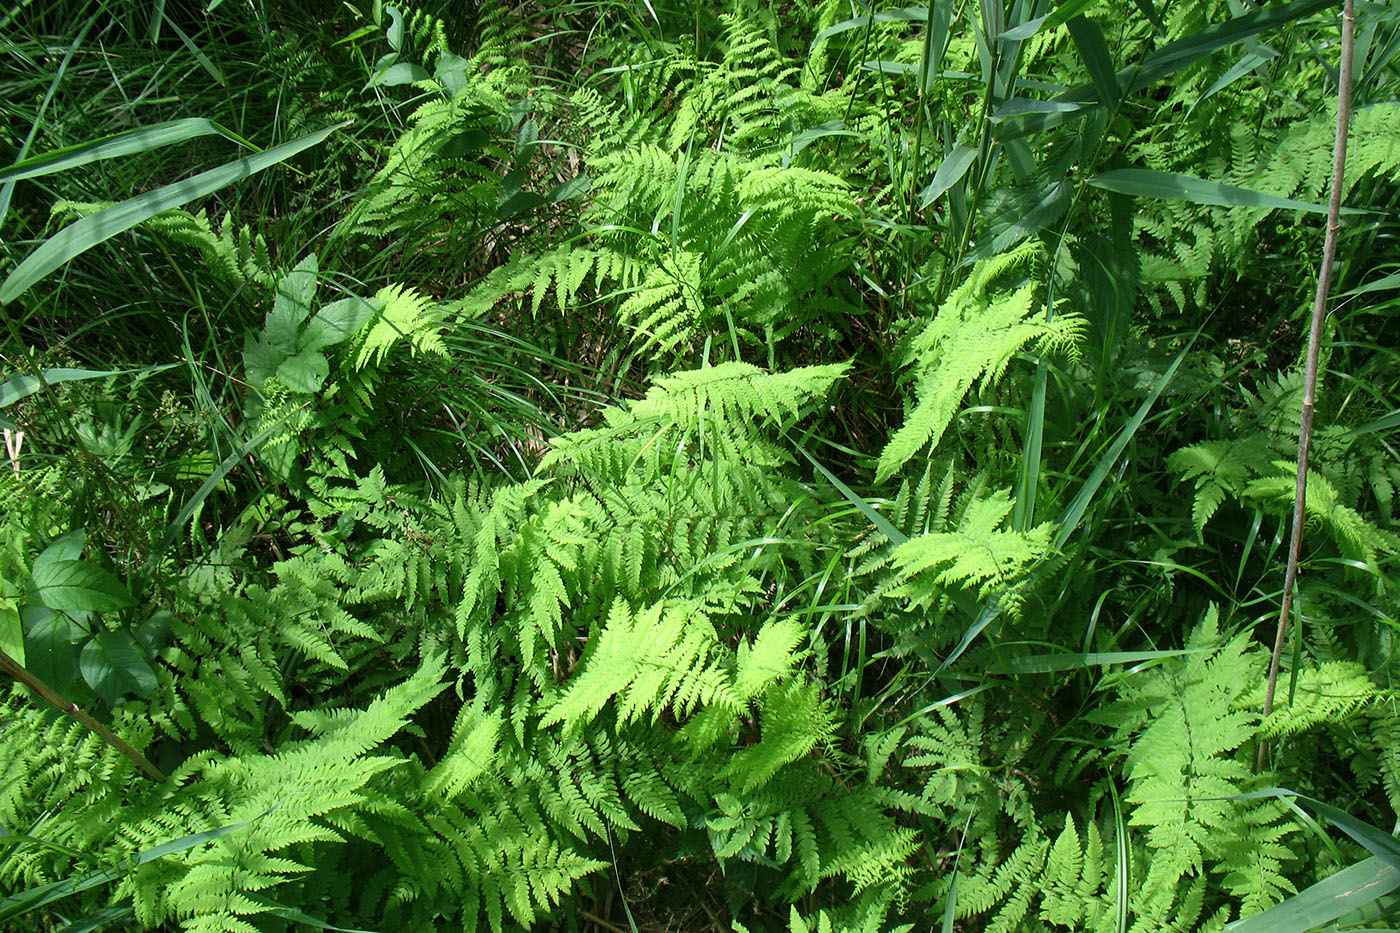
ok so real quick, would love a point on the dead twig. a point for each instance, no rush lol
(1319, 313)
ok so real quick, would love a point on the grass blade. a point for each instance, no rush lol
(914, 14)
(1333, 897)
(93, 229)
(131, 142)
(1072, 661)
(1146, 183)
(18, 387)
(8, 188)
(1381, 284)
(25, 901)
(1177, 55)
(1075, 512)
(1098, 60)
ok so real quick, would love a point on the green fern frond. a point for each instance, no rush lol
(979, 553)
(972, 338)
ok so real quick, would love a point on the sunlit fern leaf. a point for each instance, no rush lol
(970, 339)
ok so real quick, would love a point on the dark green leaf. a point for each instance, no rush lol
(1098, 61)
(154, 633)
(394, 34)
(11, 631)
(568, 190)
(48, 649)
(1384, 423)
(114, 667)
(1066, 11)
(1185, 51)
(99, 919)
(1381, 284)
(77, 586)
(17, 387)
(1021, 106)
(1150, 184)
(67, 547)
(1024, 31)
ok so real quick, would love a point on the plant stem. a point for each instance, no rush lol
(12, 667)
(1324, 284)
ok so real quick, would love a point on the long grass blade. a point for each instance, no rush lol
(1173, 186)
(77, 238)
(1332, 897)
(132, 142)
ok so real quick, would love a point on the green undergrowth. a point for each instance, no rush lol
(747, 466)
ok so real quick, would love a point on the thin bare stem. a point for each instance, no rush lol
(1319, 312)
(16, 670)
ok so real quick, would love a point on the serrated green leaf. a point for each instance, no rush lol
(305, 373)
(114, 667)
(77, 586)
(337, 322)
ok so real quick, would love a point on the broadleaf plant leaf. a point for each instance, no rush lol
(114, 667)
(48, 648)
(78, 586)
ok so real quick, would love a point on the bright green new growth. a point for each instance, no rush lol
(738, 468)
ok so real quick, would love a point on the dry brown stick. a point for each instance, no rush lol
(16, 670)
(1319, 312)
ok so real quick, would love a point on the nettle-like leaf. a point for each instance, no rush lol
(77, 586)
(291, 344)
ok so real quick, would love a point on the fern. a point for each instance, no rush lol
(979, 553)
(1186, 725)
(971, 339)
